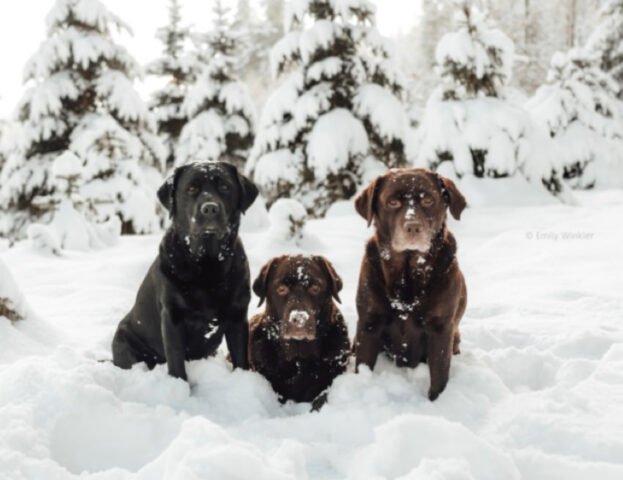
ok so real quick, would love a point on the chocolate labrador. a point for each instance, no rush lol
(198, 288)
(411, 294)
(300, 342)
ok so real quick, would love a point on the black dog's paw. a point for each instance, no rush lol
(319, 401)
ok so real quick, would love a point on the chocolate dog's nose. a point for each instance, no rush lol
(412, 227)
(298, 317)
(209, 209)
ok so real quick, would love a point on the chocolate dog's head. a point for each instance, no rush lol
(408, 206)
(205, 201)
(298, 292)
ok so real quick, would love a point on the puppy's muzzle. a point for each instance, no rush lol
(299, 325)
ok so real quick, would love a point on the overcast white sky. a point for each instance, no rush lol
(22, 30)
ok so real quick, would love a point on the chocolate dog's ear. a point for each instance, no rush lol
(365, 203)
(334, 279)
(248, 190)
(260, 284)
(451, 195)
(166, 192)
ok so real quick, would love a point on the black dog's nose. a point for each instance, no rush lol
(412, 227)
(209, 209)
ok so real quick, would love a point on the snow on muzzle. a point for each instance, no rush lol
(299, 325)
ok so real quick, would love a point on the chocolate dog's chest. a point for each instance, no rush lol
(409, 302)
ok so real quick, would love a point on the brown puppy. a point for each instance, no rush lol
(300, 342)
(411, 294)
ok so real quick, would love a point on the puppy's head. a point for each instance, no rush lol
(205, 200)
(298, 291)
(408, 206)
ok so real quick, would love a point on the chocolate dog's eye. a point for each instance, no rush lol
(192, 190)
(282, 290)
(394, 203)
(314, 289)
(427, 201)
(224, 187)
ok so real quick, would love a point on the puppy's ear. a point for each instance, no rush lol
(452, 196)
(365, 203)
(166, 192)
(248, 190)
(335, 281)
(260, 284)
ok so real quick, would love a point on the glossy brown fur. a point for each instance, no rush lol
(299, 370)
(410, 302)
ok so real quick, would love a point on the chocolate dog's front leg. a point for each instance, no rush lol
(367, 344)
(237, 338)
(439, 356)
(173, 341)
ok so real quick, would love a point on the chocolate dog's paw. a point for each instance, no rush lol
(433, 394)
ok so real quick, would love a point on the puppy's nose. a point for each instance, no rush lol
(298, 317)
(209, 209)
(412, 227)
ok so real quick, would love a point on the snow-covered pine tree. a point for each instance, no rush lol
(220, 110)
(474, 61)
(338, 114)
(468, 119)
(178, 70)
(606, 41)
(579, 108)
(80, 96)
(257, 30)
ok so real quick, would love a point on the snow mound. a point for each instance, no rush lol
(288, 220)
(13, 305)
(71, 231)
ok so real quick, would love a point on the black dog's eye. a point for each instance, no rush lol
(314, 289)
(394, 203)
(282, 290)
(223, 187)
(192, 190)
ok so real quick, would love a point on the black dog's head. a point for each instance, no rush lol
(298, 291)
(205, 201)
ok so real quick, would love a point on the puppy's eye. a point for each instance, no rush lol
(314, 289)
(282, 290)
(192, 190)
(223, 187)
(394, 203)
(427, 201)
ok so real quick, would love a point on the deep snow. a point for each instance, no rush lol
(536, 394)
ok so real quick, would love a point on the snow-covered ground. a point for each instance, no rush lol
(536, 394)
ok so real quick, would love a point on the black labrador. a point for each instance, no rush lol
(198, 288)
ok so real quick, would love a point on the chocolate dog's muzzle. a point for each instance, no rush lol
(299, 325)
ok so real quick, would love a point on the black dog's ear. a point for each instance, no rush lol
(365, 203)
(452, 196)
(248, 190)
(334, 279)
(166, 192)
(260, 284)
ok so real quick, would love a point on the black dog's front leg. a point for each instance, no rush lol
(173, 341)
(237, 338)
